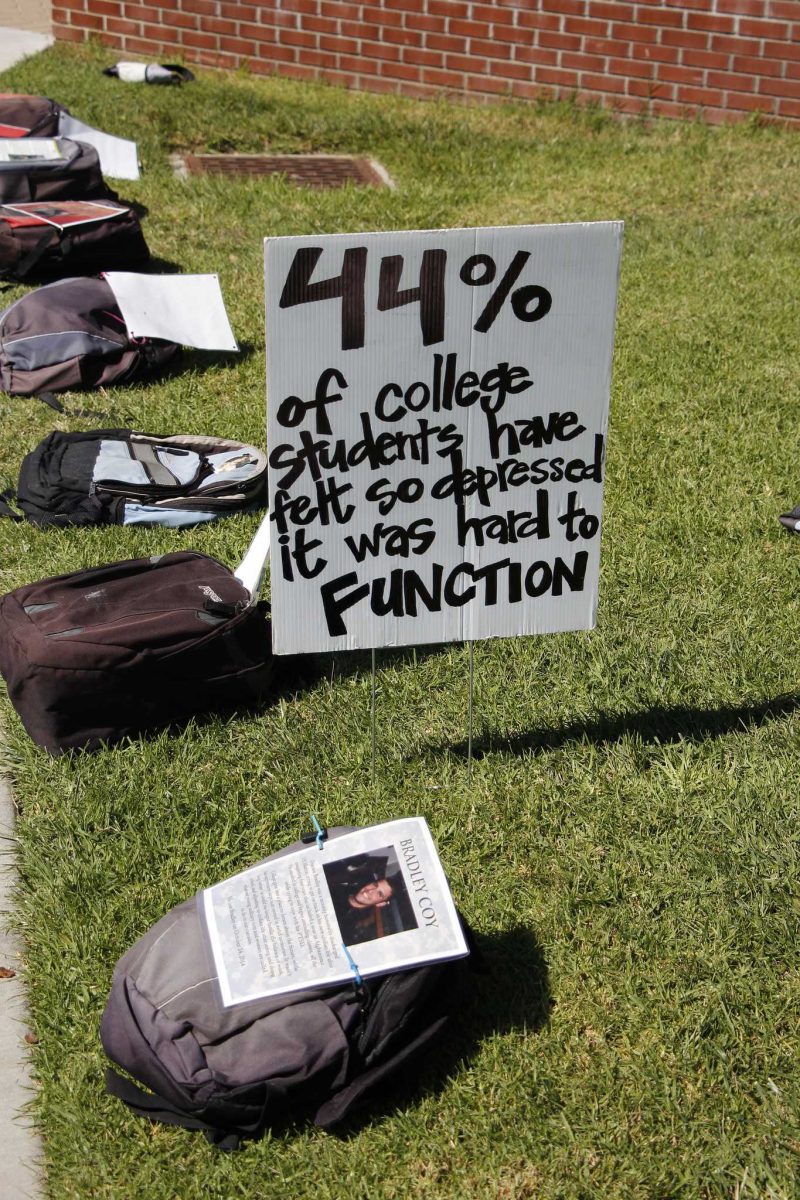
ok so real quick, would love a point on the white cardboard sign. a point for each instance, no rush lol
(437, 404)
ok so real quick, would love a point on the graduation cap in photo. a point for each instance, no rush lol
(358, 870)
(398, 914)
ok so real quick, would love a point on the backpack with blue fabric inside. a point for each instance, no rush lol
(121, 477)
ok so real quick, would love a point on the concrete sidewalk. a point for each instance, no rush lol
(34, 16)
(24, 30)
(16, 44)
(20, 1147)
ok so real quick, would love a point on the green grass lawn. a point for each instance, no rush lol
(627, 844)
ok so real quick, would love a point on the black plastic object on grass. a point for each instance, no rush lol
(791, 520)
(136, 72)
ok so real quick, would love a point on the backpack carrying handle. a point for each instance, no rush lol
(37, 251)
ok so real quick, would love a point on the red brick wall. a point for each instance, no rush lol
(722, 59)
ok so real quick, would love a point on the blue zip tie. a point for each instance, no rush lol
(321, 833)
(353, 966)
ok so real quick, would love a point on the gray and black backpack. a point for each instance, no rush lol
(233, 1072)
(791, 520)
(121, 477)
(70, 334)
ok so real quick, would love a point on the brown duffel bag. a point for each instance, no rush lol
(116, 650)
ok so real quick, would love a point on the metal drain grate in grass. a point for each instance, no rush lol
(311, 170)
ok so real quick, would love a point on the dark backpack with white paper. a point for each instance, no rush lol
(121, 477)
(64, 170)
(48, 239)
(115, 651)
(51, 169)
(71, 334)
(233, 1072)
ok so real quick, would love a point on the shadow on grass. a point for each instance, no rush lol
(505, 988)
(301, 671)
(203, 360)
(655, 725)
(115, 413)
(161, 266)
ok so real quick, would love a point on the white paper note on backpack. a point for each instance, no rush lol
(187, 309)
(118, 156)
(33, 149)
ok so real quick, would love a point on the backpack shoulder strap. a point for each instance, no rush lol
(53, 402)
(5, 508)
(157, 472)
(37, 250)
(49, 399)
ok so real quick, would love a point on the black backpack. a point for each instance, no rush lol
(70, 334)
(74, 174)
(29, 116)
(114, 651)
(47, 239)
(233, 1072)
(121, 477)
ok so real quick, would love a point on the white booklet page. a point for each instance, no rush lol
(377, 898)
(118, 156)
(30, 150)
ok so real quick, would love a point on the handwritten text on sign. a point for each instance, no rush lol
(438, 404)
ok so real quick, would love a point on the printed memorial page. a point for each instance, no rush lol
(60, 215)
(377, 898)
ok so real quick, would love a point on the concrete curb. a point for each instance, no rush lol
(20, 1145)
(21, 1151)
(16, 44)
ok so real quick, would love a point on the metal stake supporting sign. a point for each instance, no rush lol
(469, 708)
(373, 716)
